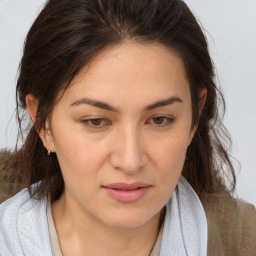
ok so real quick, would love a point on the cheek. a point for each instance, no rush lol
(80, 163)
(169, 159)
(77, 154)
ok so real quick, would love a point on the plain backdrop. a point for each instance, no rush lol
(230, 29)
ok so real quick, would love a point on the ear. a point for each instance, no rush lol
(32, 103)
(44, 134)
(202, 100)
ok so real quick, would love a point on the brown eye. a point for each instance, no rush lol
(159, 119)
(96, 122)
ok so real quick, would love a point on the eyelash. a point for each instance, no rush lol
(88, 122)
(167, 121)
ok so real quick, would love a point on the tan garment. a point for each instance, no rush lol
(231, 226)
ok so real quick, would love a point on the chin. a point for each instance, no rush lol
(128, 219)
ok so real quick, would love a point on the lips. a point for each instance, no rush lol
(127, 187)
(127, 193)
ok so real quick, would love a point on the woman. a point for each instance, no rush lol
(123, 154)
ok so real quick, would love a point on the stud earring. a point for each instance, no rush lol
(48, 153)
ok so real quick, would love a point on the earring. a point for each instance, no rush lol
(48, 153)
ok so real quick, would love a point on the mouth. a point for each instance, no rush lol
(127, 187)
(127, 193)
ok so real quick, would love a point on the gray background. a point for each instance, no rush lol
(230, 28)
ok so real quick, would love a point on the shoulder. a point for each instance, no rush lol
(231, 226)
(24, 226)
(10, 210)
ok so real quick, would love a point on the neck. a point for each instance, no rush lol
(82, 234)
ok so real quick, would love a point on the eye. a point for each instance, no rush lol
(96, 122)
(161, 120)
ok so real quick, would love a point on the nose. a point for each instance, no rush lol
(128, 154)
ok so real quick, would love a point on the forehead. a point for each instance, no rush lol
(131, 70)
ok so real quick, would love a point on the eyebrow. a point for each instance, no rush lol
(162, 103)
(94, 103)
(106, 106)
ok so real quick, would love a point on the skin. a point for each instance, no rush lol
(132, 143)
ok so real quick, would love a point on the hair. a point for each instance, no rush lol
(67, 34)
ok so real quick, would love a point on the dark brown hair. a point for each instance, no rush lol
(66, 36)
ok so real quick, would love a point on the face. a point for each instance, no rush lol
(121, 131)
